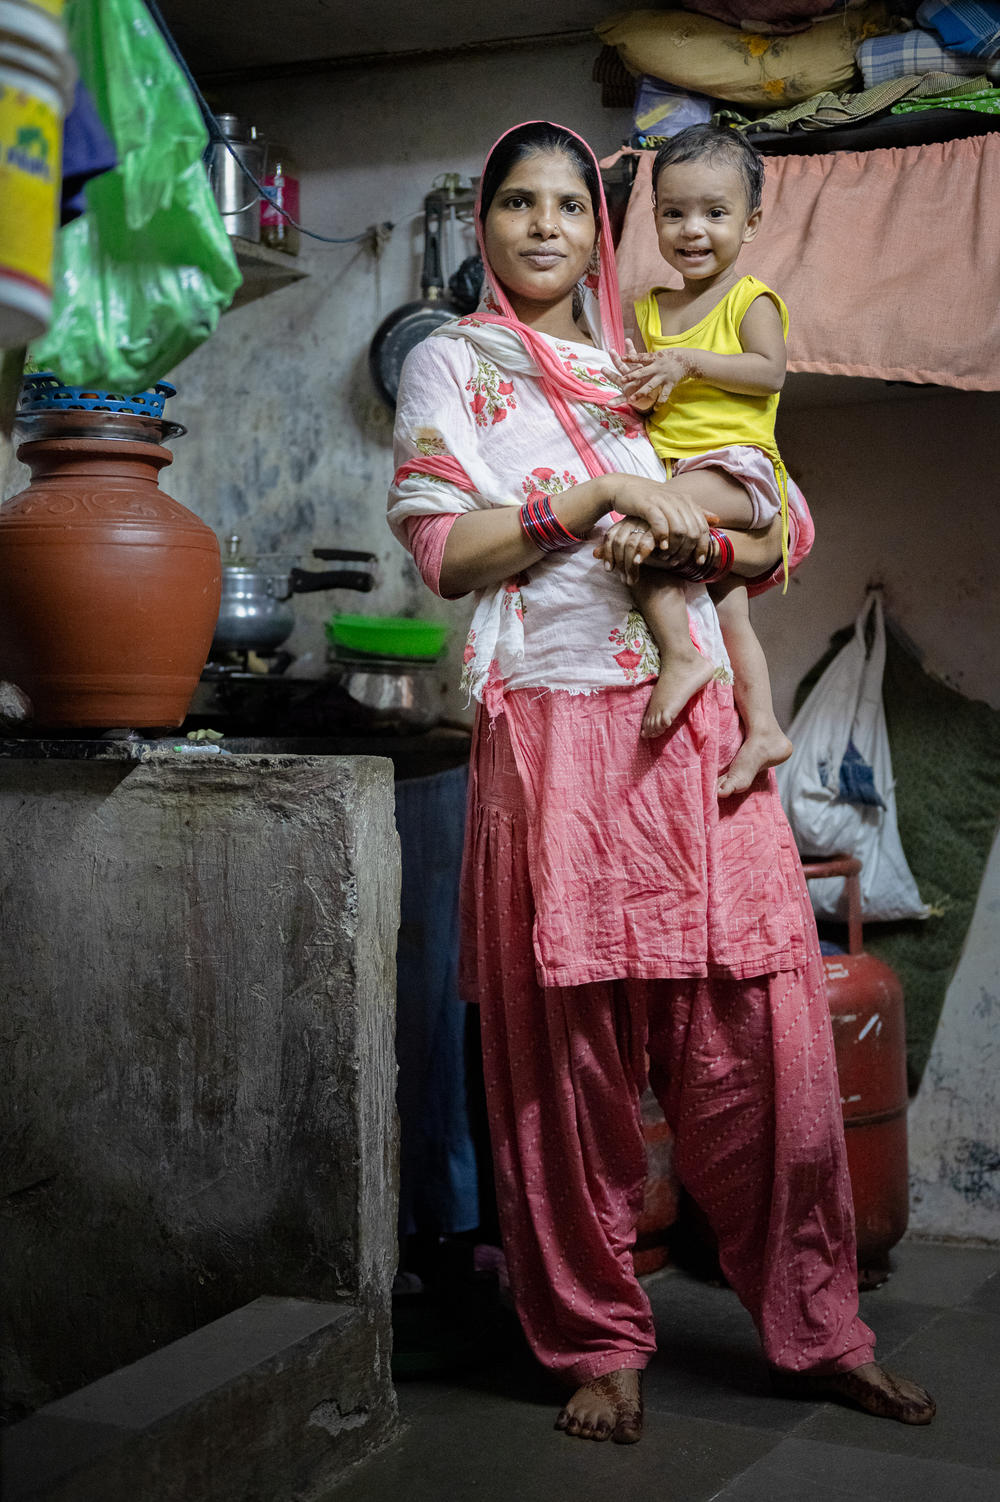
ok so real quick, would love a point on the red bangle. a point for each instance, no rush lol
(543, 529)
(717, 565)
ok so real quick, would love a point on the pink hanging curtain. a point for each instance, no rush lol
(887, 259)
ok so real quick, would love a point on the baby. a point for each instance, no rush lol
(709, 382)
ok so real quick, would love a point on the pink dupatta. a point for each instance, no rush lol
(560, 385)
(557, 382)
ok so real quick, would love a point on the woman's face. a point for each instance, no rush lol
(540, 231)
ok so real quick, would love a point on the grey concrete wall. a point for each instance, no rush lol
(197, 967)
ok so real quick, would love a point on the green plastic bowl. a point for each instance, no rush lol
(387, 635)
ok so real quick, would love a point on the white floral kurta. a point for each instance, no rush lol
(471, 392)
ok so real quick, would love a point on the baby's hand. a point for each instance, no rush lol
(625, 546)
(626, 366)
(659, 374)
(632, 374)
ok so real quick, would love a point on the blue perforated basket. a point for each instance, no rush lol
(45, 392)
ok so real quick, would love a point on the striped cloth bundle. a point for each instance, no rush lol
(908, 54)
(968, 26)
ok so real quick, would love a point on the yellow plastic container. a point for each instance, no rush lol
(36, 81)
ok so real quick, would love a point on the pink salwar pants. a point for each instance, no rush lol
(745, 1074)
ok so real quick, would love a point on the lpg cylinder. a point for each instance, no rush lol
(869, 1033)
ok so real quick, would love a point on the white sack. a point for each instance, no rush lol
(846, 707)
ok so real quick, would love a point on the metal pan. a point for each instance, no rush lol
(397, 334)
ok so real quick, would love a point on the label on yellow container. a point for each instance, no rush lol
(30, 175)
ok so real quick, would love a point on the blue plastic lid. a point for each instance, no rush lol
(45, 392)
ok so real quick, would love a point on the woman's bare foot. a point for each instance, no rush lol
(869, 1387)
(762, 748)
(610, 1407)
(680, 679)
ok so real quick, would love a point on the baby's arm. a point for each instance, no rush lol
(760, 369)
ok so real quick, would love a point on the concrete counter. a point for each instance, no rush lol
(198, 1072)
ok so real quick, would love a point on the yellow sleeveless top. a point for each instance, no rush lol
(698, 417)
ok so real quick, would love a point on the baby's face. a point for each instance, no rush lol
(702, 217)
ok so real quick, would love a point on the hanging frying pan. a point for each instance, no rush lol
(397, 334)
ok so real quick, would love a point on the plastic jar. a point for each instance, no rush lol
(282, 180)
(37, 76)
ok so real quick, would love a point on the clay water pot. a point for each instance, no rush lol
(109, 589)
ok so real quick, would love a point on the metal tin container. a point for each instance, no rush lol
(236, 196)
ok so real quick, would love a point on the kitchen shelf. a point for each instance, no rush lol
(264, 270)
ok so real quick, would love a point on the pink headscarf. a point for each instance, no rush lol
(609, 300)
(557, 382)
(560, 385)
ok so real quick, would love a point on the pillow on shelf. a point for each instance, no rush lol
(696, 53)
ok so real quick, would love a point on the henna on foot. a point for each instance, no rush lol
(680, 679)
(868, 1387)
(610, 1407)
(761, 749)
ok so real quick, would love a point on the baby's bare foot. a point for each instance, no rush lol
(763, 748)
(680, 679)
(610, 1407)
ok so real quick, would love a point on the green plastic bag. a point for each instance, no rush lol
(143, 276)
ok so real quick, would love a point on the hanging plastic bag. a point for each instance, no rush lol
(837, 787)
(143, 276)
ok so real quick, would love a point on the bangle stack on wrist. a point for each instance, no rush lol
(543, 529)
(717, 565)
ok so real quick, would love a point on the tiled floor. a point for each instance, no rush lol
(712, 1429)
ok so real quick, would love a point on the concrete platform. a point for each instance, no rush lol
(270, 1402)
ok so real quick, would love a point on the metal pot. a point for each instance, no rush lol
(394, 691)
(255, 614)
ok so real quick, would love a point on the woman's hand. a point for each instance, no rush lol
(668, 508)
(625, 547)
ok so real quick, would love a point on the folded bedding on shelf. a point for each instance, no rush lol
(779, 16)
(827, 111)
(886, 259)
(699, 54)
(908, 54)
(969, 26)
(985, 101)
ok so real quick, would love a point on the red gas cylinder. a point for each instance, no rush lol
(869, 1034)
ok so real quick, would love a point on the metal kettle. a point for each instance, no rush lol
(255, 612)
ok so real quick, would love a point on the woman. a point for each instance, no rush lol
(613, 909)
